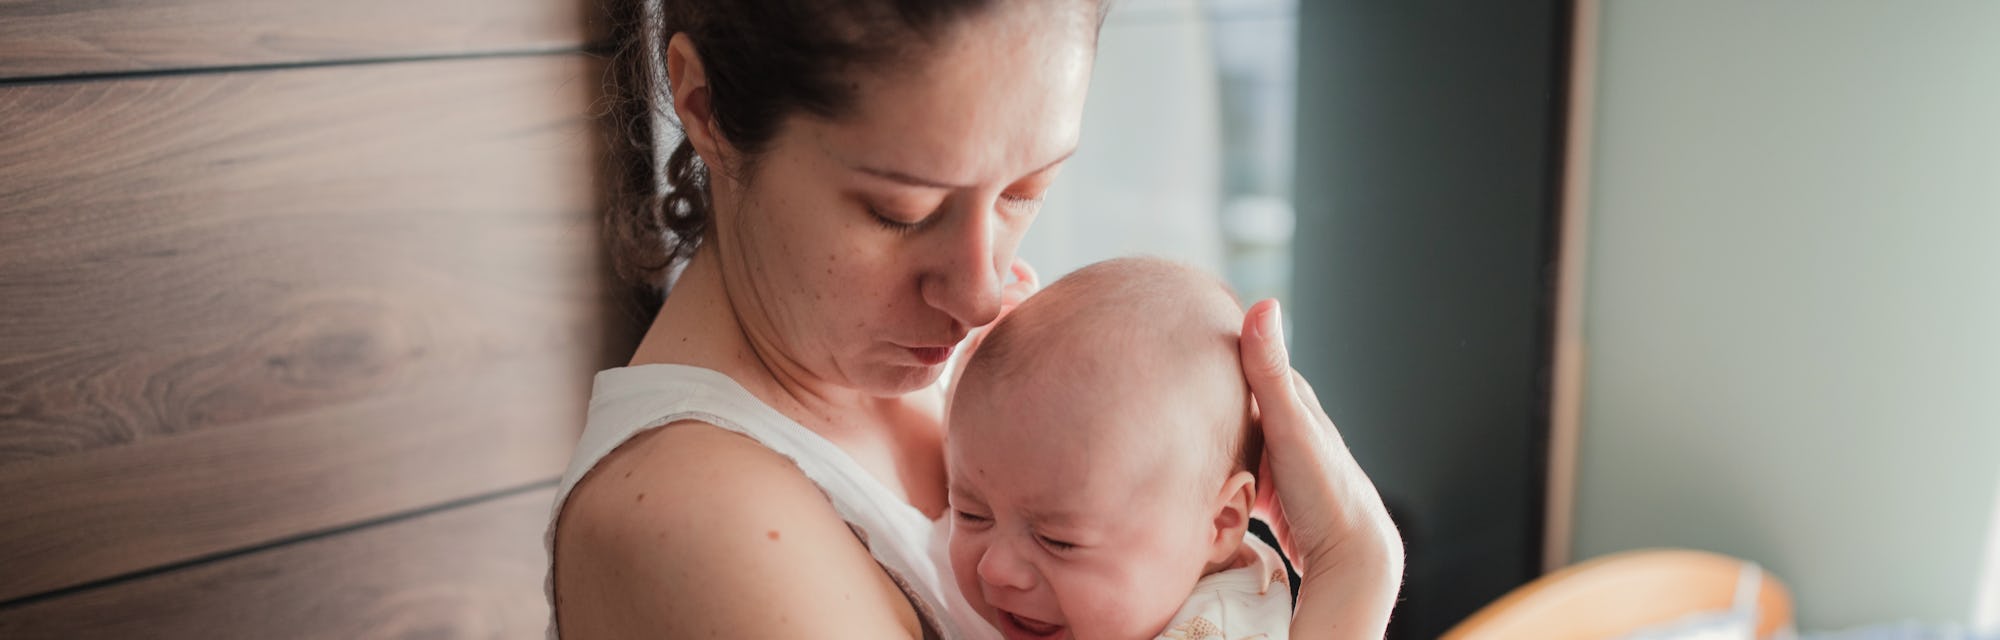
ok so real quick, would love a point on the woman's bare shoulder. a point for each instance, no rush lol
(689, 530)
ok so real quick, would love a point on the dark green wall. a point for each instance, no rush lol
(1426, 192)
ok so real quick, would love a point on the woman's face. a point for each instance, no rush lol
(861, 250)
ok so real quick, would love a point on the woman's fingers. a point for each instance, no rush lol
(1286, 420)
(1327, 515)
(1266, 364)
(1320, 492)
(1267, 368)
(1025, 273)
(1025, 284)
(1323, 431)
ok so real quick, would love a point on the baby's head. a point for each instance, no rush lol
(1100, 450)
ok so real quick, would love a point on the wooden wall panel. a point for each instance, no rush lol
(473, 572)
(242, 307)
(61, 37)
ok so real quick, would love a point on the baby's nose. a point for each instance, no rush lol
(1001, 567)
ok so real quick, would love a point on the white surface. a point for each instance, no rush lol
(1793, 310)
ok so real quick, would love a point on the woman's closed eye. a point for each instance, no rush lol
(898, 224)
(1020, 202)
(1016, 204)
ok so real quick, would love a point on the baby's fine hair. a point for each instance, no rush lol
(1150, 318)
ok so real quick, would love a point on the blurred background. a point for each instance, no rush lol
(299, 301)
(1787, 282)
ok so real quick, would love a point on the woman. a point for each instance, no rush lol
(843, 208)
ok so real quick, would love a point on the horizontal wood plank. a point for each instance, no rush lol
(240, 307)
(62, 37)
(470, 572)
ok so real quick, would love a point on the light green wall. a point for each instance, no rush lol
(1793, 309)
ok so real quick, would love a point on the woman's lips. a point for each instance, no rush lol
(931, 355)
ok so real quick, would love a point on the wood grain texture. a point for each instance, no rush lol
(240, 307)
(471, 572)
(59, 37)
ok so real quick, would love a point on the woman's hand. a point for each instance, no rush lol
(1025, 284)
(1325, 512)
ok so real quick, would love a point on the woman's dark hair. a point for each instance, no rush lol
(765, 60)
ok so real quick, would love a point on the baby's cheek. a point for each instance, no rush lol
(964, 560)
(955, 553)
(1139, 606)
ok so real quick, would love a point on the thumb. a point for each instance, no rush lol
(1268, 367)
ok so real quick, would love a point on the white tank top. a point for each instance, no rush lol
(626, 401)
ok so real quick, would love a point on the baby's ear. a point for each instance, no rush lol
(1232, 515)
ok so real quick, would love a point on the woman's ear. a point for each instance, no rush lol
(1232, 516)
(687, 78)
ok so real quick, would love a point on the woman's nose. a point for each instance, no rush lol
(966, 278)
(1001, 567)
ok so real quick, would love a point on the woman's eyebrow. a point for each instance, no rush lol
(908, 179)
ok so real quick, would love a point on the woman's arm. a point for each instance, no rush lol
(693, 532)
(1324, 510)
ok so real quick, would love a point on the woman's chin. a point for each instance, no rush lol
(888, 380)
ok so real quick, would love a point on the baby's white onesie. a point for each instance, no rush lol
(1250, 602)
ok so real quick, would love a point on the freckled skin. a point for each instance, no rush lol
(849, 320)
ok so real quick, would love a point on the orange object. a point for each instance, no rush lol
(1619, 594)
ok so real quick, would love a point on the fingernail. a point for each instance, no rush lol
(1273, 326)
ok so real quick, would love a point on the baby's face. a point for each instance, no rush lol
(1073, 516)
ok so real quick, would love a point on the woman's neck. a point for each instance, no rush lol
(899, 440)
(699, 326)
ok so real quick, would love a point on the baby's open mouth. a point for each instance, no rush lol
(1030, 627)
